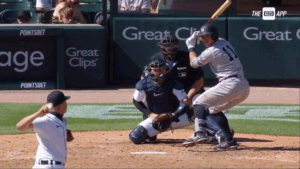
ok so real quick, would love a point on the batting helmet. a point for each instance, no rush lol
(210, 30)
(168, 45)
(157, 70)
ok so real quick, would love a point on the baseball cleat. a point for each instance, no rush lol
(226, 145)
(197, 138)
(150, 139)
(219, 138)
(212, 139)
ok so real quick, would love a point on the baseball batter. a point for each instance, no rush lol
(51, 131)
(232, 88)
(135, 5)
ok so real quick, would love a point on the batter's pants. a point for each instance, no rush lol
(225, 95)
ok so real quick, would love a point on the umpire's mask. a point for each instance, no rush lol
(169, 46)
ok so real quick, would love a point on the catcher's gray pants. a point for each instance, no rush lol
(184, 122)
(225, 95)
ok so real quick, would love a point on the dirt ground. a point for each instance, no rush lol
(112, 149)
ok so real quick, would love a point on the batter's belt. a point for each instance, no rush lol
(229, 77)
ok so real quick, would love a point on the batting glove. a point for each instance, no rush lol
(191, 41)
(196, 34)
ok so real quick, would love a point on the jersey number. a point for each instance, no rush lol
(230, 52)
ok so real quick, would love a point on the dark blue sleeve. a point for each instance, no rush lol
(197, 73)
(139, 85)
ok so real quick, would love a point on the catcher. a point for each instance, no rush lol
(167, 101)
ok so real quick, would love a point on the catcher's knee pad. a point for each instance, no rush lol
(138, 134)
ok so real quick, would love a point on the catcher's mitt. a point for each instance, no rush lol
(162, 122)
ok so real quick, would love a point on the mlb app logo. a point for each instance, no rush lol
(268, 13)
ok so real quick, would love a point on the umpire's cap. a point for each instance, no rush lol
(56, 98)
(209, 30)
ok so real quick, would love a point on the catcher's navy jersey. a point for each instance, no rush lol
(181, 70)
(160, 98)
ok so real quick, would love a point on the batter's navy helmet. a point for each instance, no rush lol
(210, 30)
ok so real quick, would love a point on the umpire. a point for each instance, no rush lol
(181, 70)
(51, 131)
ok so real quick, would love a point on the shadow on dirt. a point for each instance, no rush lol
(168, 141)
(269, 148)
(251, 140)
(179, 141)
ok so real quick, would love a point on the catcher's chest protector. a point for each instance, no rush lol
(160, 98)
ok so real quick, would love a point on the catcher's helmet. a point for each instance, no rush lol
(157, 70)
(169, 46)
(210, 30)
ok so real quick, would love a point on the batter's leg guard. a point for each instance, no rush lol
(212, 128)
(138, 134)
(222, 121)
(200, 115)
(199, 112)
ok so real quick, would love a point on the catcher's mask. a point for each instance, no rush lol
(169, 46)
(157, 70)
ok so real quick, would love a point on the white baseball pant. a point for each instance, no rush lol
(225, 95)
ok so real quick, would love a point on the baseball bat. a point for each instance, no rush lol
(222, 8)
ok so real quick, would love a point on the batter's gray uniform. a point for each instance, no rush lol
(232, 88)
(135, 5)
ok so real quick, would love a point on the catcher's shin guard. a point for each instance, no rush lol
(138, 134)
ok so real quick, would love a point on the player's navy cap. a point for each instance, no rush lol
(24, 14)
(57, 97)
